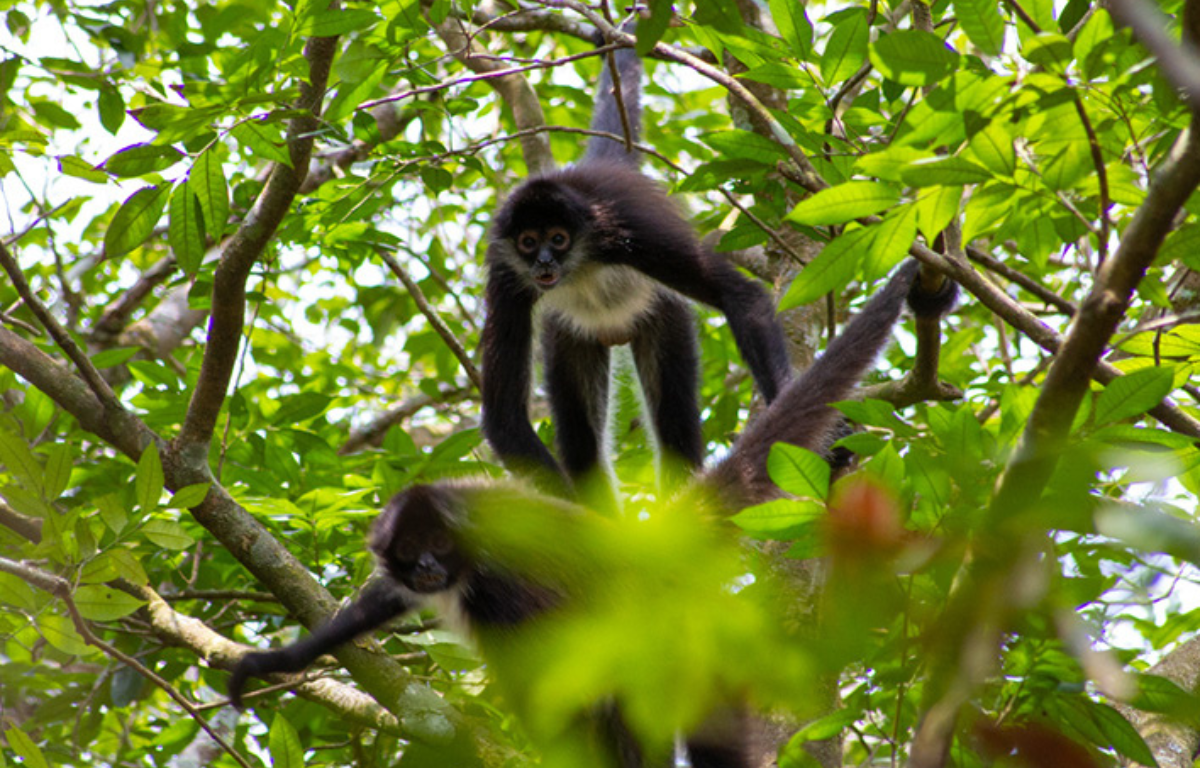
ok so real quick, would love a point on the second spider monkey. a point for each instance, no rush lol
(606, 258)
(422, 551)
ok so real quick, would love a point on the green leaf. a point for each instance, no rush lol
(936, 208)
(334, 23)
(80, 169)
(893, 237)
(798, 471)
(111, 106)
(135, 221)
(1103, 726)
(189, 496)
(1151, 530)
(1048, 49)
(781, 518)
(148, 486)
(994, 148)
(60, 632)
(207, 182)
(185, 231)
(890, 163)
(983, 24)
(651, 30)
(141, 159)
(913, 57)
(794, 26)
(1134, 393)
(25, 748)
(834, 267)
(301, 407)
(284, 744)
(845, 202)
(846, 50)
(167, 534)
(60, 457)
(20, 461)
(263, 139)
(944, 171)
(744, 145)
(98, 602)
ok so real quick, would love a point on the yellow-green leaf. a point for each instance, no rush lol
(99, 602)
(845, 202)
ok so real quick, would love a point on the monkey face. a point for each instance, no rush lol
(414, 540)
(545, 251)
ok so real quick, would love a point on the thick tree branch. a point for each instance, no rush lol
(227, 318)
(981, 603)
(512, 88)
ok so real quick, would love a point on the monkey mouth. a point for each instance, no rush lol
(428, 582)
(547, 279)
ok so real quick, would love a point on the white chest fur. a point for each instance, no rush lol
(602, 301)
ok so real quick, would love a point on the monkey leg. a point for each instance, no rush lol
(667, 357)
(577, 381)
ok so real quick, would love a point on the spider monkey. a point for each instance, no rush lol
(422, 551)
(606, 258)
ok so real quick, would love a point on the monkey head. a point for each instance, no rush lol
(416, 539)
(541, 230)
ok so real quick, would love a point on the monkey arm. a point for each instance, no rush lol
(507, 364)
(379, 603)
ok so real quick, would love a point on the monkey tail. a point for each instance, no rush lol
(606, 116)
(800, 415)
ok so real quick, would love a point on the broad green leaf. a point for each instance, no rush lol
(936, 208)
(98, 602)
(651, 30)
(74, 166)
(1151, 530)
(1047, 49)
(20, 461)
(1178, 343)
(185, 231)
(834, 267)
(114, 515)
(843, 203)
(944, 171)
(1182, 244)
(149, 483)
(128, 567)
(301, 407)
(846, 50)
(1102, 725)
(284, 744)
(893, 237)
(1134, 394)
(189, 496)
(60, 632)
(141, 159)
(135, 220)
(913, 57)
(111, 107)
(744, 145)
(993, 147)
(982, 22)
(779, 518)
(890, 163)
(336, 22)
(207, 182)
(798, 471)
(794, 26)
(60, 457)
(25, 748)
(262, 139)
(167, 534)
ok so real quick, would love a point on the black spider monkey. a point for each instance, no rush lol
(608, 258)
(422, 551)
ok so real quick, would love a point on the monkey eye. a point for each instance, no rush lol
(527, 242)
(442, 544)
(559, 238)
